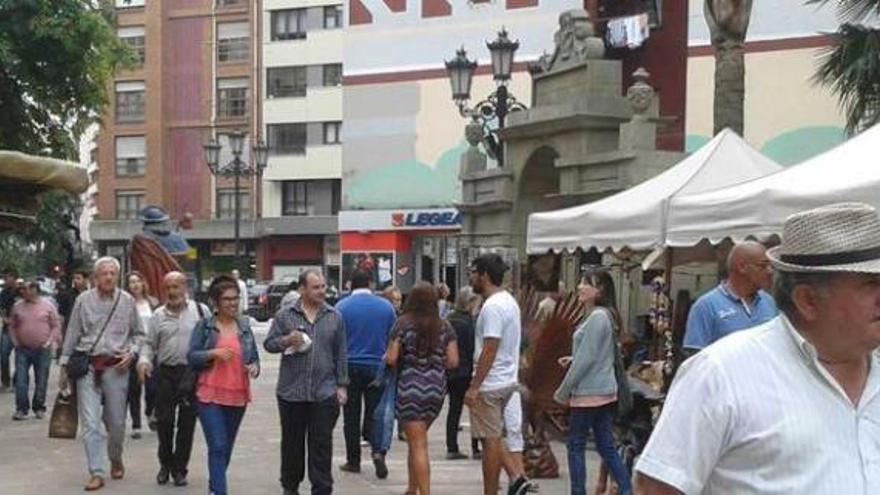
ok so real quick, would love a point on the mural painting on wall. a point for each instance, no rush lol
(380, 264)
(404, 135)
(790, 147)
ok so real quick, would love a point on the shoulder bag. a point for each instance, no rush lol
(624, 393)
(78, 363)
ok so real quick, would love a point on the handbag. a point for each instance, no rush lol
(78, 363)
(624, 392)
(65, 417)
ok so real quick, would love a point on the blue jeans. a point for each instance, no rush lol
(220, 424)
(363, 397)
(599, 419)
(40, 359)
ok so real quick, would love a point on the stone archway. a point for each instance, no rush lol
(537, 187)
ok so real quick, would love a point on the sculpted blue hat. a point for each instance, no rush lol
(154, 214)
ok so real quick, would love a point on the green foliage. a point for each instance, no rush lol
(851, 66)
(852, 10)
(48, 242)
(57, 60)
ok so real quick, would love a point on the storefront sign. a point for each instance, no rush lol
(426, 219)
(388, 220)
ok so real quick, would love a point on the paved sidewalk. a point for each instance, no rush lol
(33, 464)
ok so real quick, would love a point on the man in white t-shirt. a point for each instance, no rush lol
(496, 356)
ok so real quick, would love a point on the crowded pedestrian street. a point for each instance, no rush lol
(34, 464)
(454, 247)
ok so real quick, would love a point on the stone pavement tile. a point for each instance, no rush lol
(33, 464)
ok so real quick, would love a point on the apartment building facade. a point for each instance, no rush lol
(201, 75)
(301, 64)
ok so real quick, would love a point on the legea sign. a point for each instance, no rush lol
(385, 220)
(426, 219)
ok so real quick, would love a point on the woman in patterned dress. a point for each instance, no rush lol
(422, 348)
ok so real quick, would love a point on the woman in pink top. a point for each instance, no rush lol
(224, 353)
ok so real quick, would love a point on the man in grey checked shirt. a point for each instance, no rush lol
(103, 392)
(312, 383)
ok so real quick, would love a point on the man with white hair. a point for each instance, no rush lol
(793, 405)
(104, 334)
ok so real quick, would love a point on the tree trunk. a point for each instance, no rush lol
(728, 22)
(730, 88)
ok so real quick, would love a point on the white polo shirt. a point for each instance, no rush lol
(757, 413)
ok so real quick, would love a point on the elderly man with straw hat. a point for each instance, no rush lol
(793, 405)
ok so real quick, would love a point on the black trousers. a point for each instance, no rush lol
(312, 422)
(362, 398)
(456, 388)
(175, 409)
(134, 397)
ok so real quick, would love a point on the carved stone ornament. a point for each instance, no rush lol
(575, 40)
(640, 94)
(473, 133)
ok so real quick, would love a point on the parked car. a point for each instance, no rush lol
(275, 293)
(258, 302)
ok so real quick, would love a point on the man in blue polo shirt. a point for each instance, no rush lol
(368, 321)
(737, 303)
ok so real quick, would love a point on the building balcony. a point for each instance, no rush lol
(320, 46)
(321, 104)
(319, 162)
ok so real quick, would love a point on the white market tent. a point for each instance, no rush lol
(849, 172)
(639, 217)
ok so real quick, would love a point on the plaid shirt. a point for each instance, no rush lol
(314, 375)
(125, 332)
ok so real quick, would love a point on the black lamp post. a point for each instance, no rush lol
(237, 168)
(498, 103)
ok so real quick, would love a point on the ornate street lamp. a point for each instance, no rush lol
(502, 50)
(498, 103)
(461, 75)
(237, 168)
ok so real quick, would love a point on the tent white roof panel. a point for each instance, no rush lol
(849, 172)
(637, 217)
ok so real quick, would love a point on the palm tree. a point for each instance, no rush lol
(851, 66)
(728, 22)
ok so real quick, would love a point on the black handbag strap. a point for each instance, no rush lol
(106, 322)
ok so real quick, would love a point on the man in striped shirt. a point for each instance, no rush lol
(312, 383)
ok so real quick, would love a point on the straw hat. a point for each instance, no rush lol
(843, 237)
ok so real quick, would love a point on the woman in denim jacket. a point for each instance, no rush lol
(224, 353)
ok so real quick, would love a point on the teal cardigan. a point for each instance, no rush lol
(591, 371)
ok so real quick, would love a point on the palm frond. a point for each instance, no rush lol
(853, 10)
(851, 69)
